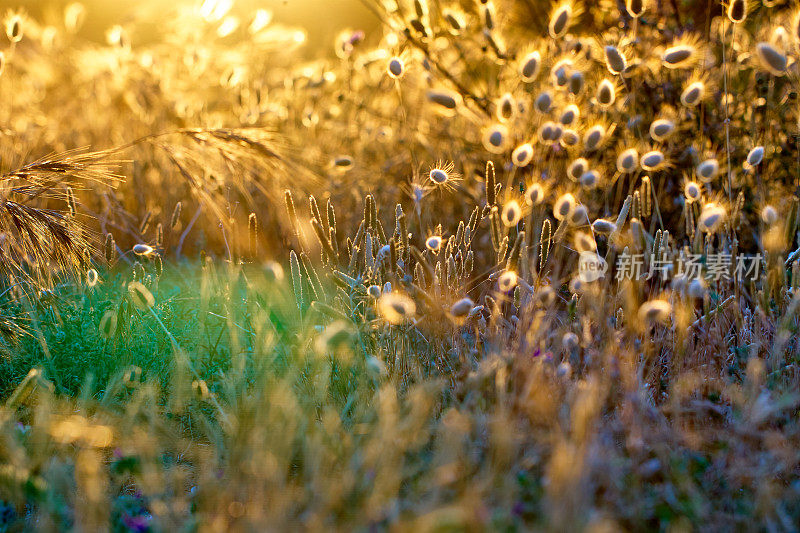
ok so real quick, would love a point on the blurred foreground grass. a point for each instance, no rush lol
(255, 414)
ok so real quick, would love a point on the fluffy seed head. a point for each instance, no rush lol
(569, 137)
(755, 156)
(606, 93)
(769, 215)
(506, 107)
(569, 341)
(708, 170)
(655, 311)
(560, 72)
(693, 93)
(737, 11)
(559, 20)
(91, 277)
(495, 138)
(576, 83)
(522, 155)
(434, 243)
(511, 214)
(108, 324)
(564, 206)
(14, 28)
(590, 179)
(507, 281)
(692, 191)
(584, 242)
(603, 226)
(549, 132)
(653, 160)
(529, 66)
(711, 218)
(594, 137)
(579, 216)
(395, 68)
(577, 168)
(628, 161)
(569, 115)
(543, 102)
(679, 56)
(615, 61)
(462, 307)
(396, 308)
(661, 129)
(446, 101)
(142, 249)
(635, 8)
(772, 60)
(534, 195)
(439, 176)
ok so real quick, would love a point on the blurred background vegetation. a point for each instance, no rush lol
(321, 19)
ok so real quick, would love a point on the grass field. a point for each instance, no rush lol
(492, 266)
(220, 407)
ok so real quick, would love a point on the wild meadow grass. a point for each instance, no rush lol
(496, 265)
